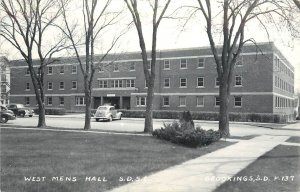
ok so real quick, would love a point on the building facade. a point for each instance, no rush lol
(4, 80)
(186, 79)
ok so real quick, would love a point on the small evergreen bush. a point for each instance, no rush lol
(184, 133)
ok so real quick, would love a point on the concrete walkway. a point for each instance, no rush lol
(206, 172)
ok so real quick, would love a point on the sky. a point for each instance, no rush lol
(172, 35)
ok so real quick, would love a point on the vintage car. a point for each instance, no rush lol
(20, 110)
(6, 114)
(107, 112)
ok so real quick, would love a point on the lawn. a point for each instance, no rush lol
(279, 170)
(61, 161)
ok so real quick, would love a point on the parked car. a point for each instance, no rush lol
(6, 114)
(107, 112)
(20, 110)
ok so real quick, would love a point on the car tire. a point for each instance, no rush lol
(4, 119)
(120, 117)
(22, 114)
(30, 115)
(110, 118)
(97, 119)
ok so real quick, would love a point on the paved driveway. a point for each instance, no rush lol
(137, 125)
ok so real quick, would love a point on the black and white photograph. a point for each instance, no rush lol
(150, 95)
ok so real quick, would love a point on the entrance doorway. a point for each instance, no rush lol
(97, 102)
(115, 101)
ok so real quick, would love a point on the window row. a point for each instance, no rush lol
(79, 101)
(200, 82)
(61, 70)
(118, 83)
(281, 67)
(141, 101)
(283, 85)
(50, 85)
(283, 102)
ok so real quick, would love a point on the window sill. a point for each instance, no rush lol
(182, 106)
(200, 67)
(167, 69)
(166, 105)
(238, 86)
(200, 87)
(200, 106)
(183, 87)
(183, 68)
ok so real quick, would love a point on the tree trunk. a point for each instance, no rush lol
(224, 112)
(42, 113)
(87, 98)
(149, 108)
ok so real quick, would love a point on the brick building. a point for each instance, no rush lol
(4, 80)
(263, 82)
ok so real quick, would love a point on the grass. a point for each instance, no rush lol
(278, 165)
(77, 155)
(294, 139)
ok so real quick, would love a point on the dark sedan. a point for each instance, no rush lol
(20, 110)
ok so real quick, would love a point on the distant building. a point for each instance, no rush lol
(186, 79)
(4, 80)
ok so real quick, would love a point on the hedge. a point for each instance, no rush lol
(52, 111)
(211, 116)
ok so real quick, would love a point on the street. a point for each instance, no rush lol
(136, 125)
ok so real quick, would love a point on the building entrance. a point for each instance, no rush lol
(118, 102)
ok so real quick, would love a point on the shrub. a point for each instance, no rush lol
(52, 111)
(210, 116)
(184, 133)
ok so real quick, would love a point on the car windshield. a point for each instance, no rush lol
(102, 108)
(20, 105)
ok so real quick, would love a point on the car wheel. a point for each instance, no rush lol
(120, 117)
(110, 118)
(30, 115)
(22, 114)
(97, 119)
(4, 119)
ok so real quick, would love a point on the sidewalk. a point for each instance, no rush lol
(206, 172)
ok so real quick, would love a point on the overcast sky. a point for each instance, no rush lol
(171, 35)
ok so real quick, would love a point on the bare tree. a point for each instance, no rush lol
(149, 76)
(94, 24)
(236, 15)
(24, 25)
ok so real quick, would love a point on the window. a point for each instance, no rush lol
(116, 83)
(200, 101)
(27, 71)
(79, 101)
(132, 66)
(183, 82)
(27, 101)
(166, 101)
(130, 83)
(116, 67)
(62, 69)
(74, 84)
(200, 82)
(182, 101)
(49, 100)
(201, 62)
(74, 69)
(61, 101)
(238, 80)
(50, 85)
(166, 64)
(217, 82)
(50, 70)
(238, 101)
(61, 85)
(27, 86)
(167, 83)
(140, 101)
(217, 101)
(101, 67)
(146, 84)
(183, 64)
(103, 83)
